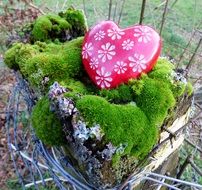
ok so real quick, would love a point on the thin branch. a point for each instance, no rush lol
(115, 9)
(84, 7)
(142, 11)
(185, 49)
(120, 14)
(110, 9)
(183, 167)
(193, 165)
(193, 145)
(35, 7)
(163, 17)
(193, 56)
(173, 4)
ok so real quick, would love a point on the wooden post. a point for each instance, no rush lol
(110, 9)
(193, 56)
(163, 17)
(142, 11)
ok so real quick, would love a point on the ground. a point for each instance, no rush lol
(7, 172)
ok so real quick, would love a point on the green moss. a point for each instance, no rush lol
(163, 70)
(41, 29)
(49, 27)
(122, 94)
(77, 20)
(137, 85)
(10, 56)
(155, 100)
(189, 89)
(25, 53)
(121, 124)
(47, 127)
(178, 89)
(57, 62)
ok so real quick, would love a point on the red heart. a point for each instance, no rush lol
(112, 56)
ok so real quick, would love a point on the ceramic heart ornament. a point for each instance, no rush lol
(112, 56)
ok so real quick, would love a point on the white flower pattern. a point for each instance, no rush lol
(120, 67)
(99, 35)
(106, 52)
(115, 33)
(143, 34)
(87, 50)
(137, 62)
(103, 78)
(94, 63)
(127, 44)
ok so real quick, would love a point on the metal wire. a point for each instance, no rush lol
(34, 163)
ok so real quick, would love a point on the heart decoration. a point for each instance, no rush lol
(112, 56)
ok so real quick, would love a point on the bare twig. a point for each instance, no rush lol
(163, 17)
(110, 9)
(120, 14)
(193, 56)
(185, 49)
(193, 165)
(35, 7)
(142, 11)
(115, 9)
(84, 7)
(183, 167)
(182, 47)
(194, 145)
(173, 4)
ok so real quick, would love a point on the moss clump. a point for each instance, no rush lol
(77, 20)
(155, 100)
(189, 89)
(47, 127)
(122, 124)
(59, 28)
(50, 27)
(10, 56)
(121, 95)
(57, 62)
(162, 70)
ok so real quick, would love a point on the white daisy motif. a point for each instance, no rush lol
(120, 67)
(106, 52)
(99, 35)
(137, 62)
(127, 44)
(143, 34)
(115, 34)
(103, 78)
(94, 63)
(86, 51)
